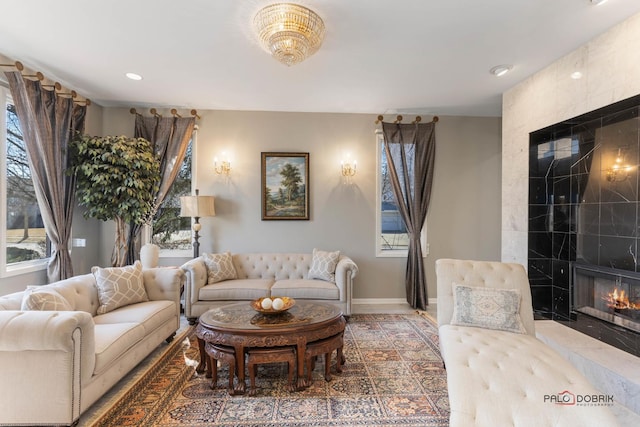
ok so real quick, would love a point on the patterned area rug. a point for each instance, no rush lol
(393, 375)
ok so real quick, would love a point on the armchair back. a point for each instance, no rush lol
(488, 274)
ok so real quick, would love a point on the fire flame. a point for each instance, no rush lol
(619, 299)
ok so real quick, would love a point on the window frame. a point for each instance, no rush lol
(23, 267)
(380, 251)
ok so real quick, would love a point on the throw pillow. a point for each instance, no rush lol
(119, 286)
(47, 299)
(219, 267)
(323, 265)
(487, 308)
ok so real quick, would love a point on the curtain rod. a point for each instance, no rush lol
(174, 112)
(418, 119)
(45, 82)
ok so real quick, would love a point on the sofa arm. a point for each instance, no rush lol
(346, 271)
(196, 277)
(163, 283)
(45, 357)
(44, 330)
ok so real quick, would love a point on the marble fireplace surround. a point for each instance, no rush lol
(610, 68)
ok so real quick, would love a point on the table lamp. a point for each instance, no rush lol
(197, 207)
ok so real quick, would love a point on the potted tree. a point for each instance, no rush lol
(117, 178)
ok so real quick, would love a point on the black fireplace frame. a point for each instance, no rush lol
(577, 216)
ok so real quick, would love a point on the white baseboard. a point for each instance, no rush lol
(373, 301)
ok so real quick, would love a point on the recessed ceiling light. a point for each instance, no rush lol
(598, 2)
(134, 76)
(500, 70)
(576, 75)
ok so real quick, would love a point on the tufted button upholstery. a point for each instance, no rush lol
(272, 266)
(282, 274)
(498, 378)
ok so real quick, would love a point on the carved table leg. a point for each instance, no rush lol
(302, 381)
(214, 371)
(290, 385)
(203, 357)
(241, 385)
(340, 360)
(327, 366)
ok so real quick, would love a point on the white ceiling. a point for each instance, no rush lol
(378, 56)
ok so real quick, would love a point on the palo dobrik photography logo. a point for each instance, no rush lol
(567, 398)
(563, 398)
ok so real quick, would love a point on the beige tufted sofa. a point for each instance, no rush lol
(56, 364)
(499, 378)
(266, 274)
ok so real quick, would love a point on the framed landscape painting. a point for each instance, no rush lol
(285, 186)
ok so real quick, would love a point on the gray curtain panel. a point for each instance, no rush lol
(169, 137)
(410, 150)
(48, 123)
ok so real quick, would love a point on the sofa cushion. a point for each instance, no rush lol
(305, 289)
(489, 308)
(112, 340)
(45, 299)
(239, 289)
(323, 265)
(119, 286)
(150, 314)
(219, 267)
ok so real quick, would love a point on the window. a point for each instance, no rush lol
(171, 232)
(392, 239)
(25, 245)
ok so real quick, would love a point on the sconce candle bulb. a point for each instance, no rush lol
(349, 169)
(222, 168)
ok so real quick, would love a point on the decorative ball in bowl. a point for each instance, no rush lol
(272, 305)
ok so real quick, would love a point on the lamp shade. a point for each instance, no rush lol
(197, 206)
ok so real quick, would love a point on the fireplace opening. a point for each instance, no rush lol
(608, 294)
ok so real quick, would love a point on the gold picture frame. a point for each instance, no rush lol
(285, 186)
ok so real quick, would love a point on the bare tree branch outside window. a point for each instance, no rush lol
(25, 234)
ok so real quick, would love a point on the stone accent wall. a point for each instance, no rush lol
(610, 66)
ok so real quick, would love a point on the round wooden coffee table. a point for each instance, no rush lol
(241, 327)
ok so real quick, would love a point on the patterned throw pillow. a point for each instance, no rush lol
(119, 286)
(219, 267)
(47, 299)
(323, 265)
(487, 308)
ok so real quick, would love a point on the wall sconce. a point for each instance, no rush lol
(348, 168)
(223, 167)
(619, 171)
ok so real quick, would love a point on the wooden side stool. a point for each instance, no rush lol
(256, 356)
(325, 347)
(223, 354)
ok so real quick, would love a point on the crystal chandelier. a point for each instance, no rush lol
(289, 32)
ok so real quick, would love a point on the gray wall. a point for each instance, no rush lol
(463, 221)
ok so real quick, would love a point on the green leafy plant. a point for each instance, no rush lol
(117, 178)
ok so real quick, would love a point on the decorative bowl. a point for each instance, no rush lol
(256, 304)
